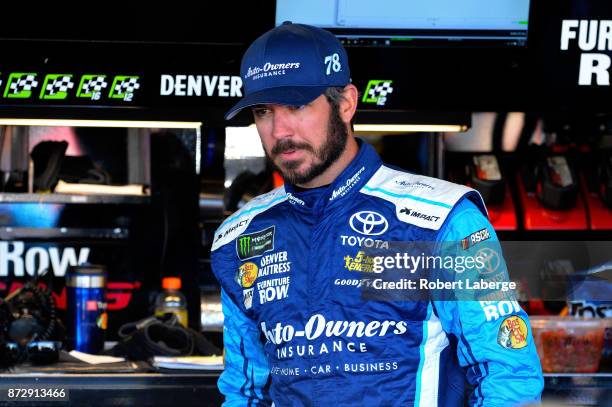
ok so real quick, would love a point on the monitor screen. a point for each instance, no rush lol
(416, 23)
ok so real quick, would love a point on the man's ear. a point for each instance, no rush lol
(348, 103)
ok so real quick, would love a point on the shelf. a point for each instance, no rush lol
(73, 199)
(577, 389)
(566, 381)
(11, 233)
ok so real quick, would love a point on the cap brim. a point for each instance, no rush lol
(285, 95)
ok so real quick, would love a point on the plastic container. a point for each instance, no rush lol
(568, 345)
(171, 300)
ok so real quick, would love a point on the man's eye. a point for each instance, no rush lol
(260, 112)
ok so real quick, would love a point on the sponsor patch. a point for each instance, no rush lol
(247, 298)
(419, 215)
(274, 263)
(491, 260)
(363, 242)
(348, 185)
(360, 262)
(512, 333)
(295, 200)
(368, 223)
(413, 185)
(273, 290)
(255, 244)
(474, 238)
(247, 274)
(493, 310)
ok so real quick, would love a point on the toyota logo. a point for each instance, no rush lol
(368, 223)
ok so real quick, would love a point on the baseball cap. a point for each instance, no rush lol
(291, 64)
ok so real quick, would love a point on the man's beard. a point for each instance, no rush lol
(326, 155)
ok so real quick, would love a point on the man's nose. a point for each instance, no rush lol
(281, 122)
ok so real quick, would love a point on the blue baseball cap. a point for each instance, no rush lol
(291, 64)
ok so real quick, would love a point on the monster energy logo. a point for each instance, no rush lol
(245, 246)
(255, 244)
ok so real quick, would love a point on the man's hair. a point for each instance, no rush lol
(334, 94)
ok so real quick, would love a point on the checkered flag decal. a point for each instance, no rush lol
(127, 86)
(60, 84)
(94, 85)
(380, 90)
(26, 83)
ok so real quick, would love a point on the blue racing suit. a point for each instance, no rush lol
(297, 331)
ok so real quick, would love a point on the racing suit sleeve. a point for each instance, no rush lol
(245, 379)
(494, 339)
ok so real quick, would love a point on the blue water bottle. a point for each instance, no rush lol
(86, 307)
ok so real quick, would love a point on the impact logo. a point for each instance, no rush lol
(91, 86)
(512, 333)
(255, 244)
(230, 230)
(419, 215)
(590, 35)
(56, 86)
(124, 87)
(247, 274)
(20, 85)
(377, 91)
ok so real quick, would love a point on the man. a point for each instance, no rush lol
(297, 330)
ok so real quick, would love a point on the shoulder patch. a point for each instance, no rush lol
(239, 221)
(419, 200)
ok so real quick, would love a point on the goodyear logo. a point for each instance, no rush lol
(247, 274)
(360, 262)
(255, 244)
(512, 333)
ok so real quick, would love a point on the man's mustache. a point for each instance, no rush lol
(288, 145)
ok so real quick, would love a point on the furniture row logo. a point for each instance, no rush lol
(25, 85)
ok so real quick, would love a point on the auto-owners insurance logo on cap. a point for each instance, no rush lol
(270, 69)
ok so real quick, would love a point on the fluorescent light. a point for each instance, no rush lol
(407, 128)
(243, 142)
(101, 123)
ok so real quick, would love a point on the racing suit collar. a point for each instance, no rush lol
(351, 180)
